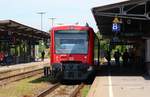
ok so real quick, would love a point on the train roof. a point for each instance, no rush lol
(133, 15)
(66, 27)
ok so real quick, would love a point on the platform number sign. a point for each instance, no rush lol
(116, 25)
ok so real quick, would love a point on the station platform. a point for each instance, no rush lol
(10, 70)
(110, 84)
(120, 86)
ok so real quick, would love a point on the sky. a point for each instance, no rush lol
(65, 11)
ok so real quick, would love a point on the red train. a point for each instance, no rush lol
(72, 52)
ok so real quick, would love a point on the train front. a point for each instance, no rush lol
(72, 52)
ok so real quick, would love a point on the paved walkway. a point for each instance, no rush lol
(120, 86)
(24, 65)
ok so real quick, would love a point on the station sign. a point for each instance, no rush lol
(116, 27)
(116, 20)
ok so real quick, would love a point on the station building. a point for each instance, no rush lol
(19, 41)
(126, 23)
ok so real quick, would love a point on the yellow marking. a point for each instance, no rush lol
(116, 20)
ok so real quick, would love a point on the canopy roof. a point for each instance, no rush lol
(134, 17)
(15, 27)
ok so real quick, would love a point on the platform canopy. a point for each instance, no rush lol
(21, 29)
(133, 17)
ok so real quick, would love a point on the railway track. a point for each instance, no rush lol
(7, 80)
(59, 90)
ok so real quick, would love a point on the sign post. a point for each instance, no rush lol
(116, 28)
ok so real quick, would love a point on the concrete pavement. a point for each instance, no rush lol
(120, 86)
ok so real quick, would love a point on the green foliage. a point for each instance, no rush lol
(103, 42)
(98, 35)
(41, 46)
(24, 87)
(104, 45)
(85, 91)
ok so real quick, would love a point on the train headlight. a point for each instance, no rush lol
(90, 68)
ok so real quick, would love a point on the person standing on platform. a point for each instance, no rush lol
(42, 55)
(108, 57)
(2, 56)
(117, 57)
(125, 58)
(132, 58)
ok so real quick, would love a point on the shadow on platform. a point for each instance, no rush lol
(117, 70)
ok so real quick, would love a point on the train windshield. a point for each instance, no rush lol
(71, 42)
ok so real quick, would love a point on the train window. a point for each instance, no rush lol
(71, 42)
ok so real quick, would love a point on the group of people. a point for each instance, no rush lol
(5, 58)
(128, 57)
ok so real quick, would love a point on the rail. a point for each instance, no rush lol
(7, 80)
(49, 90)
(61, 90)
(77, 90)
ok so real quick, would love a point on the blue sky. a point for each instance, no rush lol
(65, 11)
